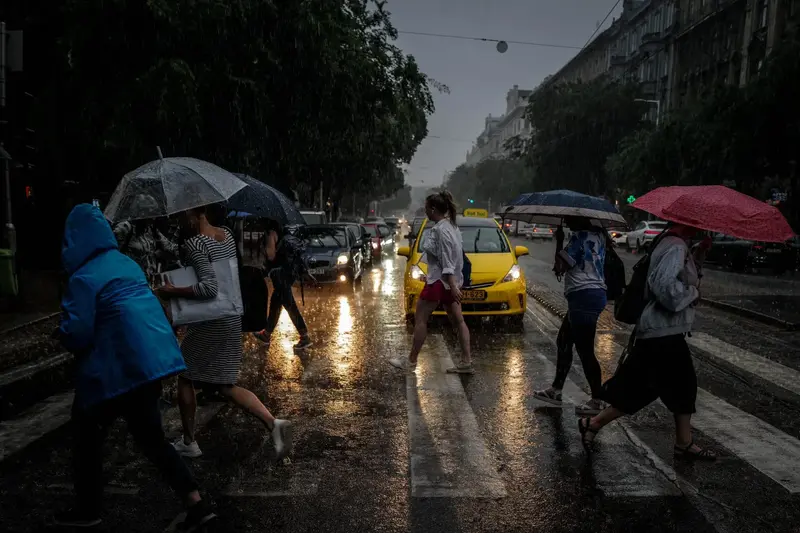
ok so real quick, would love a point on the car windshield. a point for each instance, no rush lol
(372, 231)
(314, 218)
(478, 240)
(324, 237)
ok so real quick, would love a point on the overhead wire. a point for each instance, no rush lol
(601, 24)
(488, 39)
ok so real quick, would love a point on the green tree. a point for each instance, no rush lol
(497, 180)
(576, 127)
(295, 93)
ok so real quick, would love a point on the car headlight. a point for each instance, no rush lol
(374, 245)
(417, 274)
(514, 274)
(342, 259)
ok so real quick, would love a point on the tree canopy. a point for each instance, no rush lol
(495, 180)
(294, 93)
(575, 127)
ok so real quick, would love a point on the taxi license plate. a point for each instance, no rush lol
(473, 295)
(316, 271)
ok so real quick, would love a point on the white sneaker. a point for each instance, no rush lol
(403, 364)
(282, 438)
(187, 450)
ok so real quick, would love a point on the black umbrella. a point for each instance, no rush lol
(260, 200)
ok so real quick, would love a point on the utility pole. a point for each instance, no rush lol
(321, 201)
(10, 232)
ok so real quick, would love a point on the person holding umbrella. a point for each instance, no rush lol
(659, 364)
(124, 347)
(581, 264)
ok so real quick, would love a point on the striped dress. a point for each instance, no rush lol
(212, 350)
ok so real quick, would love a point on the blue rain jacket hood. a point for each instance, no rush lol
(110, 320)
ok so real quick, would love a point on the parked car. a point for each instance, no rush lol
(361, 236)
(741, 255)
(334, 255)
(541, 231)
(644, 233)
(382, 238)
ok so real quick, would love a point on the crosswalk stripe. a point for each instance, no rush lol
(766, 448)
(776, 373)
(449, 458)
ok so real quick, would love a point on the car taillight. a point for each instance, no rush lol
(651, 232)
(551, 230)
(535, 230)
(758, 247)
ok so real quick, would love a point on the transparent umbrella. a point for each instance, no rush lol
(170, 185)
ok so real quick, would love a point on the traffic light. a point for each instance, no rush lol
(631, 199)
(471, 201)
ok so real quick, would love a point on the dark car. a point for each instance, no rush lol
(393, 223)
(382, 238)
(361, 236)
(741, 255)
(334, 254)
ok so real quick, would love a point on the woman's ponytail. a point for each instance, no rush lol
(448, 201)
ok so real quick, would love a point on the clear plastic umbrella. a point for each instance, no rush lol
(168, 186)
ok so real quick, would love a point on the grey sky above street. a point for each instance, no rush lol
(478, 76)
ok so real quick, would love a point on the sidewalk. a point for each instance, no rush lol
(39, 297)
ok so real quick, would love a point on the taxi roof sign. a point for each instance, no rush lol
(477, 213)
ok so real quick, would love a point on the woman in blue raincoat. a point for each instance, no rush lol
(124, 346)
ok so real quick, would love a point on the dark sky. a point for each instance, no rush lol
(478, 76)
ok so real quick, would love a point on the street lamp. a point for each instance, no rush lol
(658, 107)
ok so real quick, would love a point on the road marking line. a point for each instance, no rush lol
(300, 484)
(34, 423)
(118, 490)
(776, 373)
(768, 449)
(449, 458)
(765, 447)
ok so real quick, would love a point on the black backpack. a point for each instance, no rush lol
(629, 307)
(614, 273)
(292, 258)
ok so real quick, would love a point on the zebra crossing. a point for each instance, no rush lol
(449, 454)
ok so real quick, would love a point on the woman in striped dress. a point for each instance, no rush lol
(213, 350)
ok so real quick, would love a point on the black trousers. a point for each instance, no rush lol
(582, 336)
(140, 409)
(283, 298)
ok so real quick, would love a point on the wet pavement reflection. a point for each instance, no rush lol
(379, 450)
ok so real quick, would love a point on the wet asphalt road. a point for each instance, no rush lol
(376, 450)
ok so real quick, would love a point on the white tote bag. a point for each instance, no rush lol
(228, 301)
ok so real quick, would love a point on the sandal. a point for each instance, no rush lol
(687, 453)
(550, 396)
(587, 433)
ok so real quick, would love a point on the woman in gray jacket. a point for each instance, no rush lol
(660, 363)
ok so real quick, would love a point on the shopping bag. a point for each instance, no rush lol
(228, 301)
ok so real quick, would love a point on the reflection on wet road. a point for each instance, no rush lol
(379, 450)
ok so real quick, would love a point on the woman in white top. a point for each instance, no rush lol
(444, 254)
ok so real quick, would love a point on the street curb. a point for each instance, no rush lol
(33, 322)
(755, 315)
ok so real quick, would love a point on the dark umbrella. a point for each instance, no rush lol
(260, 200)
(552, 207)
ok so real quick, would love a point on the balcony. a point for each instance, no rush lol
(618, 60)
(647, 89)
(651, 43)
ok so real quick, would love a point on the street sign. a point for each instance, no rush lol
(631, 199)
(476, 213)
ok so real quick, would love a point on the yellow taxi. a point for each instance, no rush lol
(497, 284)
